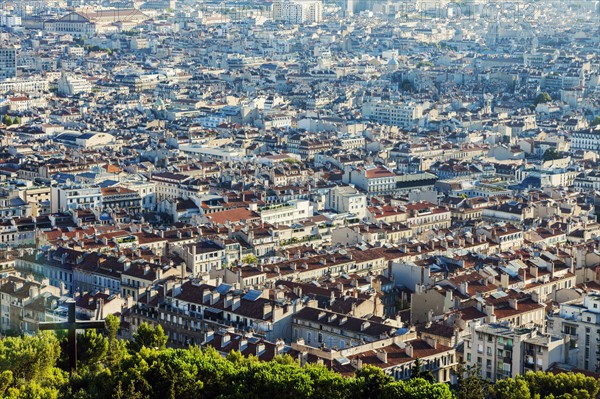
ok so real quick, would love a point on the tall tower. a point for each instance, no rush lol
(534, 45)
(8, 62)
(493, 34)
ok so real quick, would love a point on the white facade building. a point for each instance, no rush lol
(502, 351)
(586, 140)
(347, 200)
(69, 85)
(580, 322)
(24, 86)
(65, 197)
(147, 191)
(393, 113)
(291, 212)
(298, 11)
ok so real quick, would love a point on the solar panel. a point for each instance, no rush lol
(252, 295)
(223, 288)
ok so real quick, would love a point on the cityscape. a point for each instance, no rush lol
(409, 188)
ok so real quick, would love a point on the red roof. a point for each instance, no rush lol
(378, 172)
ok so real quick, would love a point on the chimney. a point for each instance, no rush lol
(364, 325)
(504, 280)
(260, 348)
(225, 340)
(267, 310)
(206, 295)
(279, 346)
(243, 344)
(523, 273)
(464, 288)
(34, 291)
(409, 350)
(228, 300)
(100, 309)
(382, 355)
(297, 290)
(534, 271)
(235, 304)
(513, 303)
(214, 297)
(432, 342)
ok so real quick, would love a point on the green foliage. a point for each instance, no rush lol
(551, 154)
(562, 386)
(596, 121)
(417, 388)
(543, 98)
(417, 372)
(421, 64)
(7, 120)
(30, 358)
(407, 85)
(250, 259)
(149, 337)
(370, 382)
(149, 370)
(92, 347)
(470, 385)
(27, 367)
(510, 388)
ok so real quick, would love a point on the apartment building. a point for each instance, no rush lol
(73, 196)
(502, 351)
(580, 322)
(24, 303)
(375, 180)
(298, 11)
(588, 139)
(319, 328)
(347, 200)
(187, 310)
(8, 62)
(393, 113)
(202, 257)
(286, 213)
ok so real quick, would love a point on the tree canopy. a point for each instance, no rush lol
(551, 154)
(543, 98)
(30, 367)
